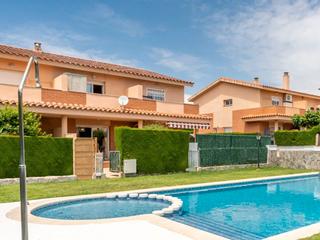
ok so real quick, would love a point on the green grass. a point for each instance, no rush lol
(314, 237)
(10, 193)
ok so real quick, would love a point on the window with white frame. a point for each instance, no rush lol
(275, 101)
(76, 82)
(155, 94)
(227, 102)
(95, 87)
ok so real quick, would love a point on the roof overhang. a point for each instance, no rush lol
(250, 85)
(265, 118)
(75, 110)
(97, 69)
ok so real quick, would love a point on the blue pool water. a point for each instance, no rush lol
(99, 208)
(251, 210)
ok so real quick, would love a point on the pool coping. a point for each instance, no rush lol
(180, 228)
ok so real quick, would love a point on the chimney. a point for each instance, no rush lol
(256, 80)
(37, 47)
(286, 81)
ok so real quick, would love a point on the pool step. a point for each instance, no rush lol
(221, 229)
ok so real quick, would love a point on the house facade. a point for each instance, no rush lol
(241, 106)
(79, 96)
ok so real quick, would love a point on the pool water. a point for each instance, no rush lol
(251, 210)
(99, 208)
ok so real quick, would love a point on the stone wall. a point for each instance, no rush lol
(303, 157)
(7, 181)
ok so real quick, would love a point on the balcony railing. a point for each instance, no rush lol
(9, 92)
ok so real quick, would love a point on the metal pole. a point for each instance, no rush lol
(22, 163)
(259, 152)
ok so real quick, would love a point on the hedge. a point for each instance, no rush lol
(296, 137)
(156, 151)
(45, 156)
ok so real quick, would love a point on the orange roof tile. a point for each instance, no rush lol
(55, 58)
(101, 109)
(251, 85)
(266, 115)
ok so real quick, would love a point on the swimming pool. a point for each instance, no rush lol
(99, 208)
(242, 210)
(251, 210)
(110, 206)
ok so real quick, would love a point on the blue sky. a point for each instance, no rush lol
(195, 40)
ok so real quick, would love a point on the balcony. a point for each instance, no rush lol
(267, 113)
(9, 92)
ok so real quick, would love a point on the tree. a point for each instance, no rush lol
(308, 120)
(9, 122)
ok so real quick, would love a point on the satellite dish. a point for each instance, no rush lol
(123, 100)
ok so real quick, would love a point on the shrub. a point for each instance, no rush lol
(9, 122)
(156, 151)
(308, 120)
(296, 137)
(155, 127)
(45, 156)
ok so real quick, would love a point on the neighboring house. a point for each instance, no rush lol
(240, 106)
(79, 96)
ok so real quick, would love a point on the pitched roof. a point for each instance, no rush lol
(85, 63)
(251, 85)
(102, 109)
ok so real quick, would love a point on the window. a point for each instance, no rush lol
(227, 103)
(76, 82)
(85, 132)
(10, 77)
(275, 101)
(155, 94)
(93, 87)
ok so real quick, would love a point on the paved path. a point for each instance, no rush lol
(128, 230)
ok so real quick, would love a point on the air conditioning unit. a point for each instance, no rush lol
(288, 98)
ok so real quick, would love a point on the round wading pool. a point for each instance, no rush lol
(107, 207)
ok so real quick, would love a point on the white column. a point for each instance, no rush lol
(64, 126)
(276, 125)
(140, 123)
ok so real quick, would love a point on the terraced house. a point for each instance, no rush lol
(79, 96)
(241, 106)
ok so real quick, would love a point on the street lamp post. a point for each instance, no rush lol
(22, 163)
(258, 136)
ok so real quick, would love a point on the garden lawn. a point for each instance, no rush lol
(314, 237)
(10, 193)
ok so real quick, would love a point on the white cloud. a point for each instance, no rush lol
(59, 42)
(270, 37)
(103, 15)
(189, 65)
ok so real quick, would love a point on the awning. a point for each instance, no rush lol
(182, 125)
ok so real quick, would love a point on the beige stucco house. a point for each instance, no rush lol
(241, 106)
(79, 96)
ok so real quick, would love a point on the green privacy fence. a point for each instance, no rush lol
(218, 150)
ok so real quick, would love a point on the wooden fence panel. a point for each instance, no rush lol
(85, 149)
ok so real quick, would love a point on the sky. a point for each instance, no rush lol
(193, 40)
